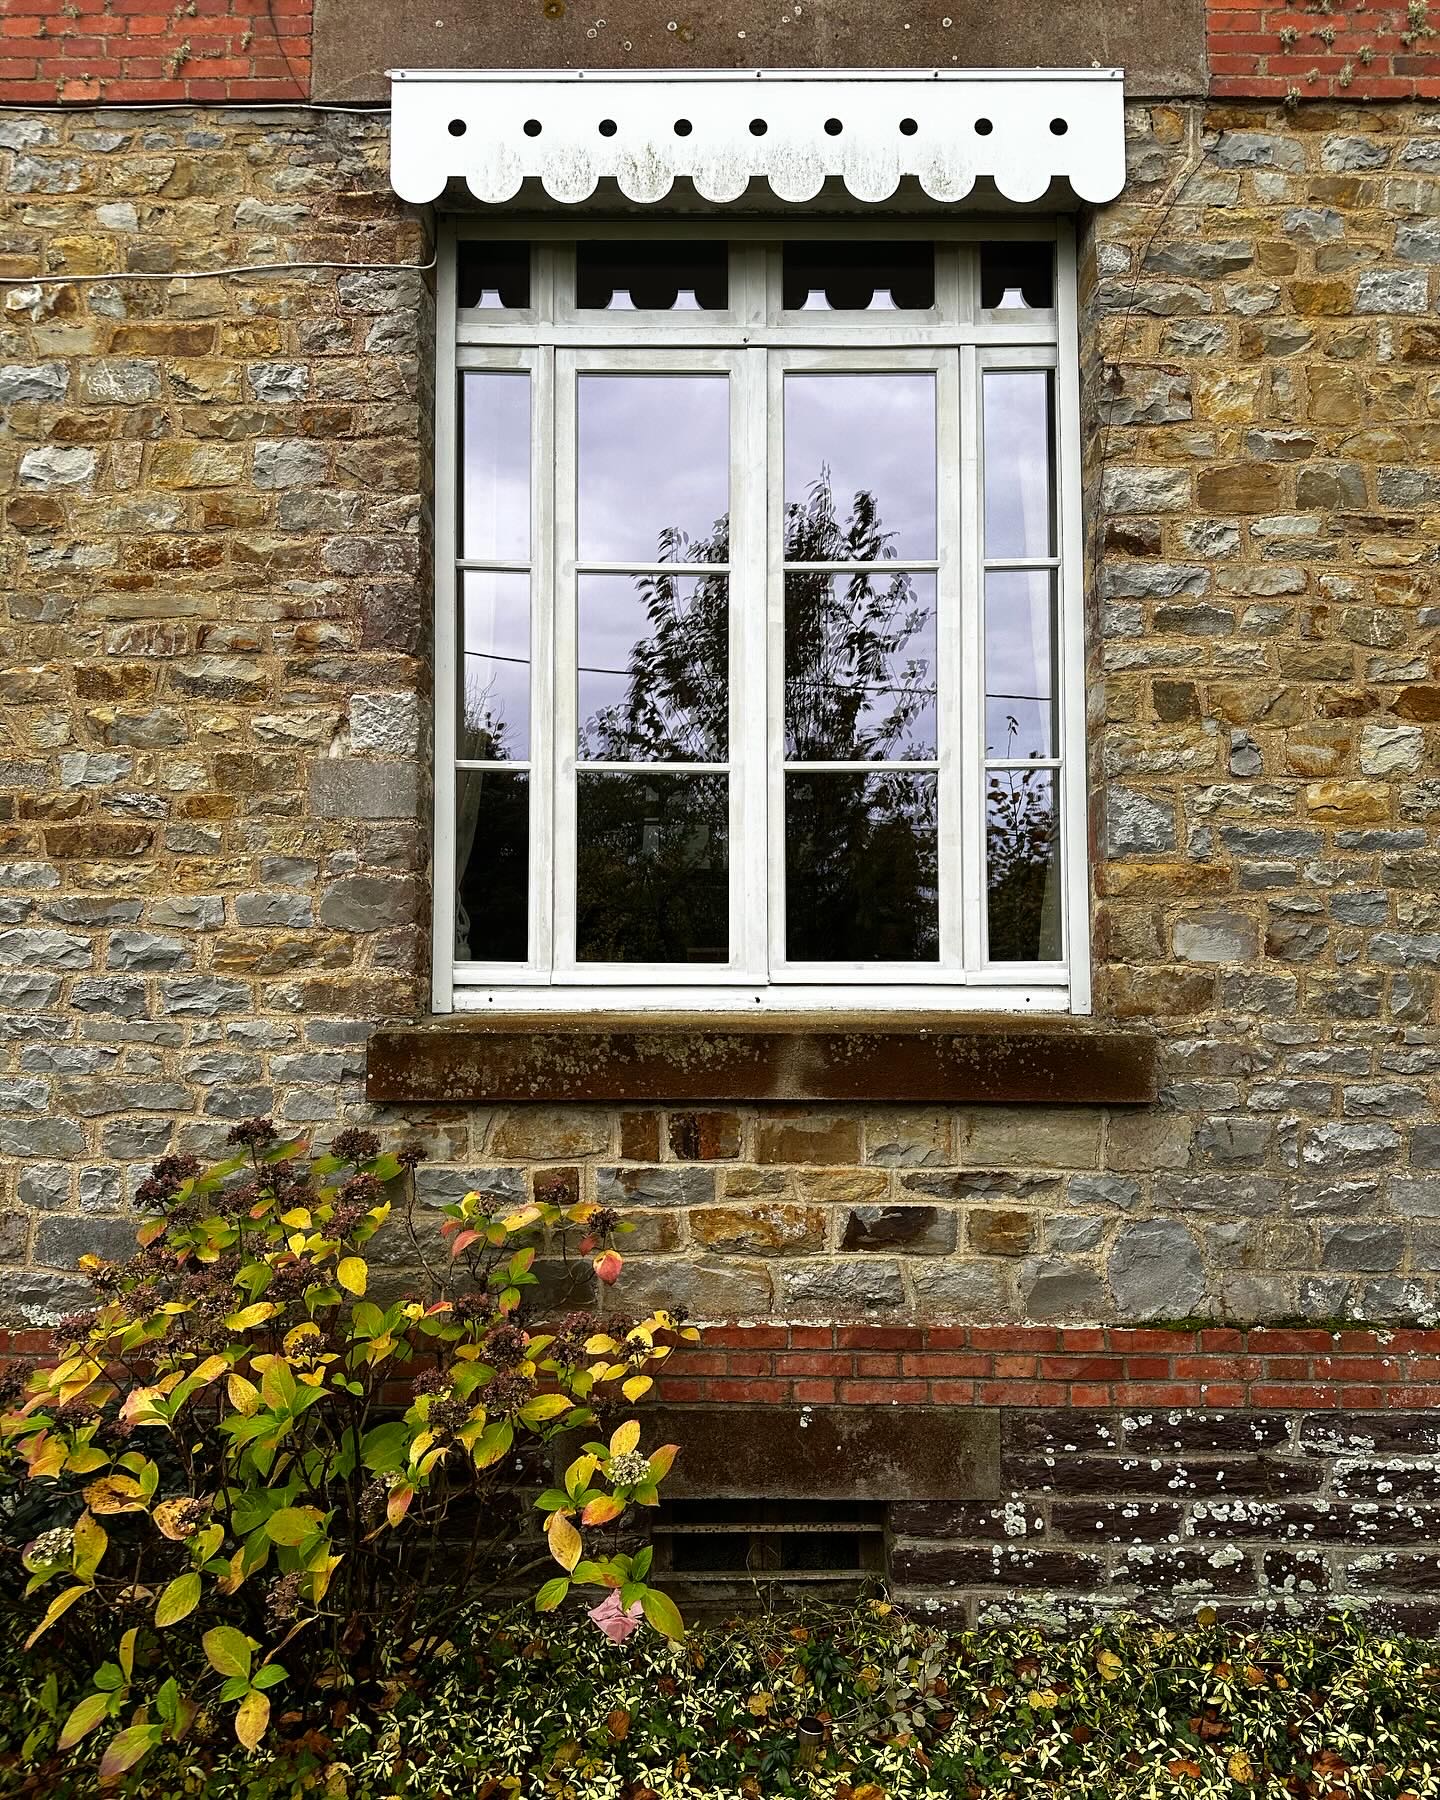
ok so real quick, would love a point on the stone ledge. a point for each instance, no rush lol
(867, 1057)
(830, 1452)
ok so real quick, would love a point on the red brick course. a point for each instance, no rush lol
(143, 50)
(1267, 1368)
(984, 1365)
(1353, 50)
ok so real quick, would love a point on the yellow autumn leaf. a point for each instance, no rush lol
(252, 1718)
(251, 1315)
(1240, 1768)
(625, 1438)
(636, 1386)
(565, 1544)
(1109, 1665)
(350, 1273)
(244, 1395)
(759, 1705)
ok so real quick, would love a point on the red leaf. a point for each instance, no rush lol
(608, 1266)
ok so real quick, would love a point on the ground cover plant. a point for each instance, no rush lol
(869, 1705)
(283, 1450)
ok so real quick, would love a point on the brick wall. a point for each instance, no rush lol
(1339, 49)
(132, 50)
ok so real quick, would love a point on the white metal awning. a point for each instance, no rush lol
(722, 129)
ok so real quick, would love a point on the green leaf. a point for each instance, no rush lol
(542, 1407)
(86, 1716)
(663, 1614)
(551, 1594)
(227, 1650)
(268, 1676)
(367, 1320)
(640, 1564)
(386, 1447)
(178, 1601)
(167, 1701)
(290, 1526)
(126, 1748)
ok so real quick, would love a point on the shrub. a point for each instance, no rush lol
(257, 1475)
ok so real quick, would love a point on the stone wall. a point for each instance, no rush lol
(216, 809)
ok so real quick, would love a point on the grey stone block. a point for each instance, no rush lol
(1367, 1247)
(41, 1138)
(61, 1239)
(39, 949)
(862, 1287)
(1053, 1288)
(1156, 1271)
(281, 911)
(45, 1187)
(915, 1230)
(654, 1187)
(439, 1186)
(349, 789)
(147, 950)
(369, 903)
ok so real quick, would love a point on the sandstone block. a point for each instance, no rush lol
(760, 1229)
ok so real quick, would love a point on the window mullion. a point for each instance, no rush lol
(952, 713)
(543, 607)
(749, 707)
(773, 552)
(971, 682)
(565, 664)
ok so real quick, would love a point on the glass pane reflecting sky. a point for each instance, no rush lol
(1019, 510)
(495, 667)
(654, 464)
(875, 435)
(495, 524)
(1019, 663)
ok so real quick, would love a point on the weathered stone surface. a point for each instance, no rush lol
(916, 1230)
(1053, 1287)
(1156, 1271)
(758, 1229)
(862, 1287)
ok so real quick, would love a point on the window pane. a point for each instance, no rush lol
(654, 668)
(654, 475)
(859, 666)
(1023, 866)
(1019, 503)
(490, 276)
(494, 668)
(860, 868)
(1016, 275)
(678, 277)
(495, 492)
(1020, 678)
(492, 855)
(858, 277)
(859, 467)
(653, 878)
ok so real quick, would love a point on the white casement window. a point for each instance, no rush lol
(758, 636)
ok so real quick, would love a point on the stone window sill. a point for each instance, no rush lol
(972, 1058)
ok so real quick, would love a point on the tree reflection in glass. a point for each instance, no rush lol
(1022, 866)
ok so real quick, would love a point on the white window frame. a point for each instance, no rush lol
(756, 342)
